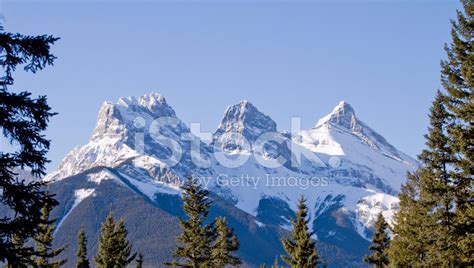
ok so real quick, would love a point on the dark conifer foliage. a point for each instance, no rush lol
(300, 247)
(139, 260)
(22, 121)
(411, 223)
(18, 244)
(380, 244)
(434, 227)
(201, 244)
(45, 254)
(422, 226)
(106, 250)
(197, 237)
(226, 243)
(114, 248)
(457, 77)
(82, 260)
(438, 190)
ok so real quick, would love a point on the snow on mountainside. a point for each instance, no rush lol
(123, 137)
(342, 134)
(346, 170)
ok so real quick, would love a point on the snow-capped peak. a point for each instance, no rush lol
(360, 162)
(129, 113)
(121, 134)
(342, 115)
(244, 118)
(153, 103)
(342, 134)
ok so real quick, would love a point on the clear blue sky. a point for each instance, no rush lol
(289, 58)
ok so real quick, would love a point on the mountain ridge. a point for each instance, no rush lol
(348, 172)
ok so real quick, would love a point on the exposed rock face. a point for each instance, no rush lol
(140, 144)
(247, 120)
(343, 115)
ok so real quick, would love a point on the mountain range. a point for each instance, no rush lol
(140, 152)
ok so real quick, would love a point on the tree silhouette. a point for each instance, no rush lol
(22, 121)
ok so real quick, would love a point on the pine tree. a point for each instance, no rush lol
(197, 237)
(380, 244)
(445, 180)
(106, 250)
(23, 120)
(434, 225)
(123, 248)
(457, 77)
(423, 226)
(139, 260)
(226, 243)
(438, 189)
(82, 260)
(44, 243)
(301, 249)
(114, 248)
(18, 244)
(408, 247)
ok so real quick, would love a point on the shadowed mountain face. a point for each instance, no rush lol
(153, 225)
(140, 151)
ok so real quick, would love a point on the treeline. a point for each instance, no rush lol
(202, 242)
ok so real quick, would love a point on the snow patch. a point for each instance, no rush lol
(101, 176)
(151, 187)
(369, 207)
(79, 196)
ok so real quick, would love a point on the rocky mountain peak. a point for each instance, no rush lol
(244, 118)
(152, 104)
(343, 115)
(129, 113)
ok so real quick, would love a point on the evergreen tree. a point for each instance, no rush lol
(434, 225)
(197, 237)
(301, 249)
(44, 243)
(139, 260)
(457, 77)
(123, 248)
(114, 248)
(82, 260)
(380, 244)
(436, 182)
(226, 243)
(408, 247)
(106, 248)
(423, 226)
(23, 120)
(18, 244)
